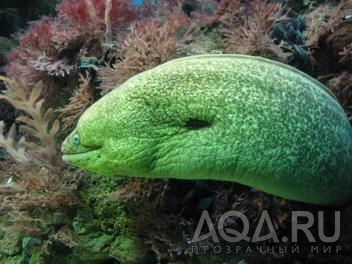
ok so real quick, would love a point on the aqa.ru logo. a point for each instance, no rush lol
(232, 235)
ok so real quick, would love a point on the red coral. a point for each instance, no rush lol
(33, 43)
(76, 11)
(80, 23)
(122, 13)
(83, 12)
(39, 34)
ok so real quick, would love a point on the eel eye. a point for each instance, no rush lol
(75, 139)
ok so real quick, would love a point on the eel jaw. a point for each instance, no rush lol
(79, 157)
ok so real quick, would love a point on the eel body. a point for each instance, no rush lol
(222, 117)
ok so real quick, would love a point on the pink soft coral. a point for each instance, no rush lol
(35, 42)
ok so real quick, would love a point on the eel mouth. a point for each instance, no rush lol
(86, 154)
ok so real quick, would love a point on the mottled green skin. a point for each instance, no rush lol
(272, 128)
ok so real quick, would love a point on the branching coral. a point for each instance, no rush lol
(169, 211)
(36, 182)
(36, 123)
(17, 149)
(147, 45)
(52, 67)
(340, 42)
(322, 21)
(225, 12)
(250, 31)
(346, 54)
(329, 37)
(80, 100)
(342, 88)
(99, 19)
(29, 201)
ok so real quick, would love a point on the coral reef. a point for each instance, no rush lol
(52, 213)
(342, 87)
(249, 32)
(78, 102)
(329, 30)
(148, 44)
(34, 178)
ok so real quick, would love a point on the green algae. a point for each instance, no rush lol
(10, 244)
(128, 250)
(104, 224)
(102, 213)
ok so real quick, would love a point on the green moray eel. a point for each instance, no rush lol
(234, 118)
